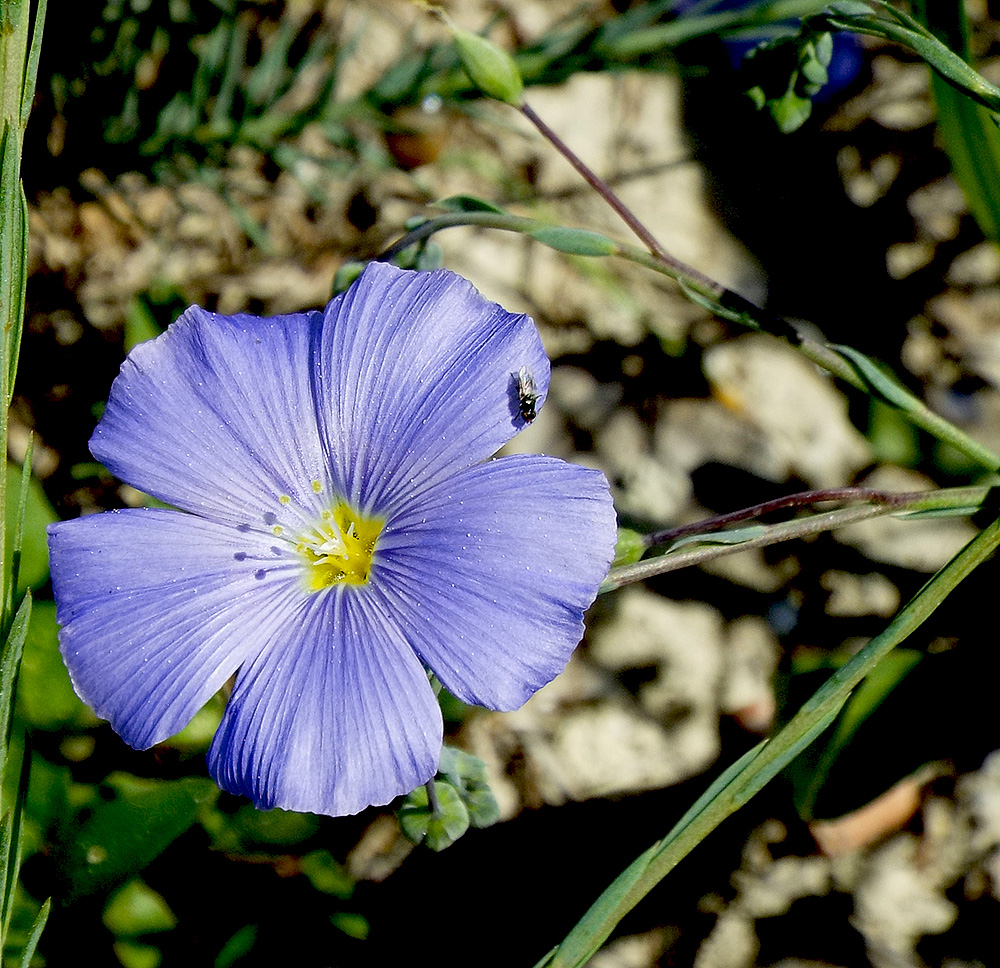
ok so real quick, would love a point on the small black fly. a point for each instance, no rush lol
(527, 394)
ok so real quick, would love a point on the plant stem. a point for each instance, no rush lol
(790, 501)
(957, 498)
(602, 188)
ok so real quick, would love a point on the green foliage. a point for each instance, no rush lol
(136, 909)
(891, 23)
(811, 772)
(38, 514)
(467, 774)
(630, 548)
(438, 826)
(45, 695)
(240, 944)
(573, 241)
(789, 72)
(326, 874)
(968, 130)
(463, 799)
(124, 826)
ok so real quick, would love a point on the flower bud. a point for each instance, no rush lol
(489, 67)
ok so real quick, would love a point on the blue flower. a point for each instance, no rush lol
(339, 530)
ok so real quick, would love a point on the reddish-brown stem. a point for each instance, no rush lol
(800, 500)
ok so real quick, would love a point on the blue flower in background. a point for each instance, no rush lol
(340, 529)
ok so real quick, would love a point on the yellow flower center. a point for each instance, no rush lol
(338, 549)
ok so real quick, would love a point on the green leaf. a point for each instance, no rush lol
(440, 828)
(46, 698)
(131, 954)
(117, 837)
(326, 874)
(968, 130)
(140, 325)
(573, 241)
(467, 774)
(467, 203)
(273, 828)
(38, 514)
(903, 29)
(732, 536)
(240, 944)
(137, 909)
(878, 378)
(37, 926)
(346, 274)
(630, 548)
(353, 925)
(863, 703)
(10, 661)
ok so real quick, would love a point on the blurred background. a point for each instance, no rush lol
(234, 154)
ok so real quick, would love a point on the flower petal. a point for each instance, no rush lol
(159, 608)
(489, 573)
(217, 416)
(335, 715)
(417, 377)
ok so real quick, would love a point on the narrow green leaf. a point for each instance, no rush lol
(11, 855)
(596, 925)
(18, 283)
(573, 241)
(945, 62)
(865, 700)
(734, 536)
(22, 500)
(884, 385)
(968, 130)
(37, 926)
(745, 788)
(31, 68)
(7, 866)
(467, 203)
(10, 660)
(33, 567)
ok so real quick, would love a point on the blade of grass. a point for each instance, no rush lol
(970, 136)
(37, 927)
(22, 503)
(12, 846)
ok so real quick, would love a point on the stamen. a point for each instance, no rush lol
(339, 547)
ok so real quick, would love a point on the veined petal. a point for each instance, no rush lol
(216, 416)
(489, 573)
(159, 608)
(334, 715)
(417, 378)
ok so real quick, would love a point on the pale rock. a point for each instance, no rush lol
(801, 415)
